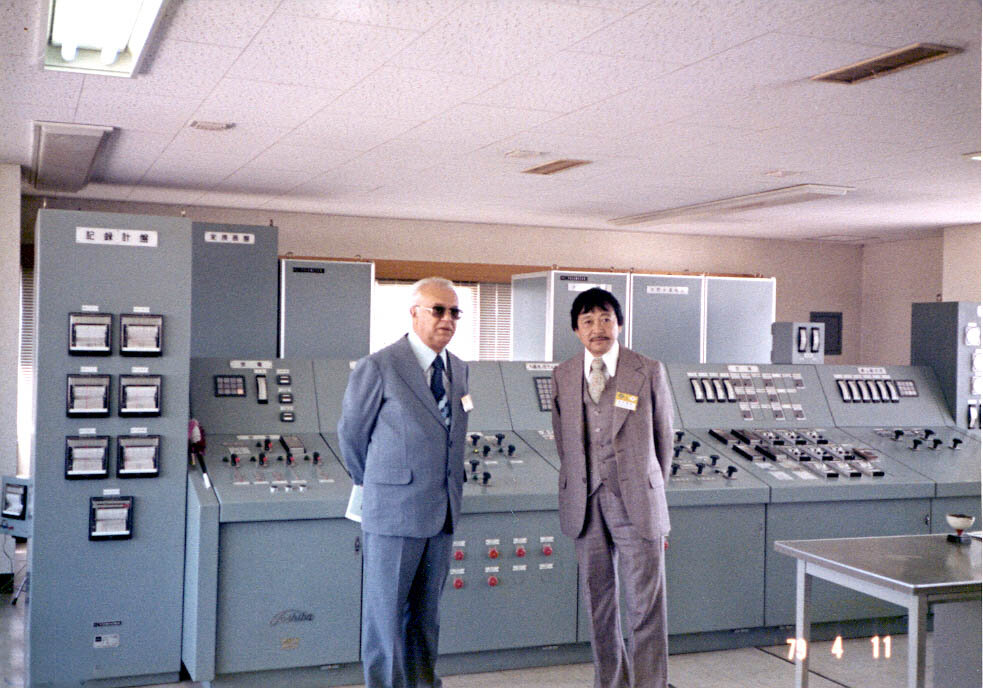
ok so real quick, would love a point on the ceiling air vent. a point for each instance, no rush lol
(888, 63)
(555, 166)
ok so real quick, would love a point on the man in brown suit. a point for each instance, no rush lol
(612, 419)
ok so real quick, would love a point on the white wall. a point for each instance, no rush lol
(895, 275)
(810, 276)
(961, 264)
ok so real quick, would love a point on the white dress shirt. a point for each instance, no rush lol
(610, 361)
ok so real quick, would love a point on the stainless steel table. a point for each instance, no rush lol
(914, 571)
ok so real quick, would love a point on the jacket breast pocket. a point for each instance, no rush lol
(390, 476)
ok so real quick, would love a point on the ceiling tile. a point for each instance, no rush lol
(570, 80)
(291, 49)
(282, 156)
(219, 22)
(127, 155)
(241, 142)
(140, 112)
(20, 27)
(173, 68)
(471, 40)
(346, 131)
(687, 31)
(477, 124)
(893, 24)
(408, 94)
(24, 82)
(165, 195)
(263, 103)
(418, 15)
(257, 179)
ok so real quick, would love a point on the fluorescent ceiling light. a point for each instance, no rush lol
(972, 156)
(100, 36)
(765, 199)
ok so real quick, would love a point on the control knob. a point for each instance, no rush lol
(458, 555)
(511, 449)
(486, 450)
(493, 581)
(458, 583)
(547, 550)
(493, 553)
(485, 477)
(520, 551)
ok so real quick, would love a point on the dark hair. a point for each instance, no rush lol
(587, 301)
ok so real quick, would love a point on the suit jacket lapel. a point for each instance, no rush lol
(629, 379)
(408, 368)
(572, 393)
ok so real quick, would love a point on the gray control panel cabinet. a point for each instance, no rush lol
(541, 311)
(233, 290)
(667, 317)
(110, 448)
(324, 308)
(946, 337)
(739, 314)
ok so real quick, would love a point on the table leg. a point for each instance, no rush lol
(917, 620)
(803, 603)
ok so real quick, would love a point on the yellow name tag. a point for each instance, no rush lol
(467, 403)
(626, 401)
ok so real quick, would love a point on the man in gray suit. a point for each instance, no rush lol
(404, 417)
(612, 419)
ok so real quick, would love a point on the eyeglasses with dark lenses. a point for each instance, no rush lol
(439, 311)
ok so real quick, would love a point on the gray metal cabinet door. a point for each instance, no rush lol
(740, 312)
(666, 317)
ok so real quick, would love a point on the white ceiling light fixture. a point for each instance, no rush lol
(64, 154)
(764, 199)
(972, 156)
(106, 37)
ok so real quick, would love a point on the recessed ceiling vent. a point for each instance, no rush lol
(888, 63)
(64, 154)
(555, 166)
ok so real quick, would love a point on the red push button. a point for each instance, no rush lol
(547, 550)
(458, 583)
(520, 551)
(493, 581)
(492, 553)
(458, 555)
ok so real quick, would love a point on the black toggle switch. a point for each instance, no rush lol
(262, 459)
(511, 449)
(280, 457)
(898, 434)
(714, 458)
(252, 459)
(675, 451)
(474, 464)
(485, 477)
(499, 436)
(317, 457)
(485, 450)
(290, 459)
(956, 442)
(679, 435)
(699, 468)
(731, 470)
(916, 443)
(694, 445)
(474, 439)
(936, 443)
(675, 468)
(929, 432)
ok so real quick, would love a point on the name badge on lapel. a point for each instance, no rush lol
(467, 403)
(626, 401)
